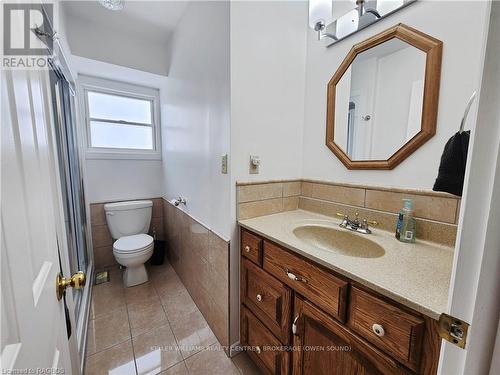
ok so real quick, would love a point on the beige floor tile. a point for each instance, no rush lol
(245, 365)
(166, 280)
(156, 350)
(119, 359)
(170, 288)
(178, 369)
(90, 339)
(178, 306)
(106, 298)
(192, 333)
(115, 278)
(146, 316)
(141, 293)
(211, 361)
(110, 329)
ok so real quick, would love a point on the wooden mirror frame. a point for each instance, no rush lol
(433, 49)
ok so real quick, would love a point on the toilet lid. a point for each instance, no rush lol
(132, 244)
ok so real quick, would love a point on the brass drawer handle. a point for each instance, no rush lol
(378, 330)
(258, 350)
(247, 249)
(259, 297)
(294, 277)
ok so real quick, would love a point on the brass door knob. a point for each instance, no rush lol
(76, 281)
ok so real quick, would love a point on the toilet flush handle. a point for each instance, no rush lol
(110, 213)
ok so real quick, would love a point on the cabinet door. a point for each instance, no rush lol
(267, 298)
(261, 345)
(323, 346)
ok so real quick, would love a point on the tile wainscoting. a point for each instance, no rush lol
(102, 243)
(201, 259)
(436, 213)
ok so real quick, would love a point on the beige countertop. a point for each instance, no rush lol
(415, 275)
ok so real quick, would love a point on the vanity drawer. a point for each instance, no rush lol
(392, 329)
(251, 247)
(268, 298)
(264, 349)
(316, 284)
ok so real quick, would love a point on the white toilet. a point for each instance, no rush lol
(128, 223)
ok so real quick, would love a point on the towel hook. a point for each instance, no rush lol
(466, 112)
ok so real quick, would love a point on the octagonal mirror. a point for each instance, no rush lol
(383, 99)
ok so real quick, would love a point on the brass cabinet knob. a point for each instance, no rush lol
(259, 297)
(76, 281)
(247, 248)
(378, 330)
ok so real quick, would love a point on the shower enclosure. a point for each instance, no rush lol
(73, 196)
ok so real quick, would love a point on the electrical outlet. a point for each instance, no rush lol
(224, 164)
(254, 164)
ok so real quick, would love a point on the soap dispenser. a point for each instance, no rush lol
(408, 225)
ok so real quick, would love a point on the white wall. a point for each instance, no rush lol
(268, 50)
(196, 115)
(114, 179)
(268, 41)
(461, 31)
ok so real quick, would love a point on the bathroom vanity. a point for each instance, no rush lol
(307, 309)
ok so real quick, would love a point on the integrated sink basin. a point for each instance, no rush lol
(338, 241)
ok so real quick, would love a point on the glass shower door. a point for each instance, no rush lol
(71, 178)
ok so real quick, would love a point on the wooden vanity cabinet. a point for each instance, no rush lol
(332, 349)
(324, 323)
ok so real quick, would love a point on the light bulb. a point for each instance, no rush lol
(319, 10)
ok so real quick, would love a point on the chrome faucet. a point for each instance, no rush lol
(355, 225)
(180, 200)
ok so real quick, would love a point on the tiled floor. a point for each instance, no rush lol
(153, 328)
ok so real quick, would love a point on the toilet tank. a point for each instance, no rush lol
(128, 218)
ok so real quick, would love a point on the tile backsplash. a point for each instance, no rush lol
(267, 198)
(102, 242)
(436, 213)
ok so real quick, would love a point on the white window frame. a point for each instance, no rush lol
(106, 86)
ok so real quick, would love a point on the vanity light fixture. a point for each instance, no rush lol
(320, 12)
(339, 19)
(112, 4)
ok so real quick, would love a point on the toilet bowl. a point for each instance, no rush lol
(132, 252)
(128, 223)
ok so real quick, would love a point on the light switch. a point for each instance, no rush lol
(224, 164)
(254, 164)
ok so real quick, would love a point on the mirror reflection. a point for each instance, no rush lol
(379, 99)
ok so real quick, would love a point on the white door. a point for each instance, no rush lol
(475, 280)
(33, 320)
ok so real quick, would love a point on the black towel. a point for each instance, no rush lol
(452, 168)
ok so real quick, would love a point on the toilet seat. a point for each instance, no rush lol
(133, 244)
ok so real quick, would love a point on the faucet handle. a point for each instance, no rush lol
(365, 223)
(356, 219)
(340, 214)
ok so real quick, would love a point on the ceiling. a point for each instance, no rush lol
(137, 36)
(149, 19)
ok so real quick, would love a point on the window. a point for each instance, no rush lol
(121, 120)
